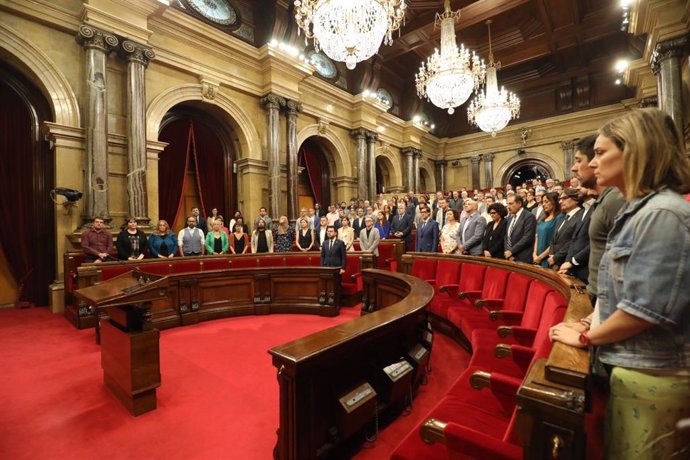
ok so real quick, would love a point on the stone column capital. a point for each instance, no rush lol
(411, 151)
(272, 101)
(292, 107)
(489, 157)
(568, 146)
(359, 133)
(672, 48)
(371, 136)
(136, 52)
(90, 37)
(441, 163)
(475, 159)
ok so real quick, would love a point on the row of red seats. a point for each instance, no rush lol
(505, 317)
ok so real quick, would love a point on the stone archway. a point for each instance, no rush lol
(427, 180)
(247, 135)
(540, 160)
(51, 80)
(387, 174)
(335, 146)
(321, 150)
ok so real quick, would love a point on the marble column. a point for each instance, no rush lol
(441, 174)
(292, 108)
(488, 169)
(98, 44)
(475, 171)
(417, 173)
(666, 64)
(272, 103)
(137, 57)
(360, 136)
(408, 152)
(568, 148)
(372, 137)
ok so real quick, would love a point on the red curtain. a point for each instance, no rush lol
(210, 170)
(310, 158)
(16, 179)
(172, 167)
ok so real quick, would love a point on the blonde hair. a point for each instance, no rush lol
(163, 221)
(653, 152)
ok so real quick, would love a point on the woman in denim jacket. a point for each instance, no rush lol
(644, 288)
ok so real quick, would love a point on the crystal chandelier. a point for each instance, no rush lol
(349, 31)
(449, 77)
(492, 109)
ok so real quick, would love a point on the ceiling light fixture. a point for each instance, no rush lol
(448, 78)
(349, 31)
(492, 109)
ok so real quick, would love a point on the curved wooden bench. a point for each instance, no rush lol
(516, 382)
(332, 382)
(89, 274)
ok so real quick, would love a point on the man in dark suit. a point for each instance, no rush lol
(577, 260)
(522, 225)
(472, 230)
(358, 222)
(200, 221)
(427, 233)
(570, 205)
(333, 252)
(402, 226)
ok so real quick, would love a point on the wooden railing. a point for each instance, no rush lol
(316, 371)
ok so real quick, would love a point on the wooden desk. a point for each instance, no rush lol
(315, 371)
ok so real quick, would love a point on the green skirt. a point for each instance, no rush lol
(642, 413)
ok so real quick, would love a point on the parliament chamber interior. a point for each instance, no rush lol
(242, 229)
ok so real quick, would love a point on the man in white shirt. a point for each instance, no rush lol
(322, 230)
(190, 239)
(332, 215)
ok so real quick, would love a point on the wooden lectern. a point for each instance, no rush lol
(129, 344)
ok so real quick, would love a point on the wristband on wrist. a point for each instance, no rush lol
(584, 339)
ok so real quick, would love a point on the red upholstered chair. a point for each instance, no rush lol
(493, 287)
(518, 342)
(424, 269)
(112, 272)
(470, 281)
(185, 266)
(479, 424)
(447, 273)
(528, 318)
(514, 296)
(162, 268)
(213, 263)
(350, 281)
(386, 258)
(272, 261)
(244, 262)
(446, 287)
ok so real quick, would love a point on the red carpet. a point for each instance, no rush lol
(218, 397)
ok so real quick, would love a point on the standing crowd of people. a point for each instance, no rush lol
(622, 226)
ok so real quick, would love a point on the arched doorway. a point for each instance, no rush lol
(196, 168)
(314, 163)
(524, 171)
(384, 168)
(27, 241)
(424, 182)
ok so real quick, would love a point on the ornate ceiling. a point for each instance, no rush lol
(559, 56)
